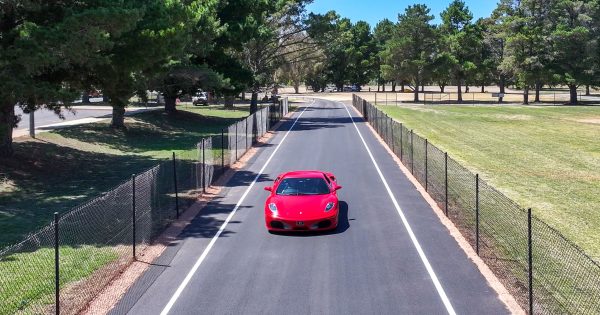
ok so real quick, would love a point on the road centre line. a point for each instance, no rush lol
(192, 271)
(411, 234)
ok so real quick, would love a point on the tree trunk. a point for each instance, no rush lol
(243, 96)
(459, 99)
(105, 98)
(467, 88)
(118, 117)
(254, 101)
(572, 94)
(538, 87)
(402, 87)
(170, 104)
(483, 89)
(416, 92)
(502, 88)
(393, 86)
(297, 88)
(383, 87)
(423, 87)
(229, 101)
(7, 123)
(442, 88)
(587, 90)
(526, 95)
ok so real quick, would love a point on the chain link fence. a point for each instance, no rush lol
(545, 272)
(63, 266)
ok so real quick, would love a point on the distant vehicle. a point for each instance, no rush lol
(302, 201)
(330, 88)
(201, 98)
(347, 89)
(356, 88)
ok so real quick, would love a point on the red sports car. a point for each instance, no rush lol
(302, 201)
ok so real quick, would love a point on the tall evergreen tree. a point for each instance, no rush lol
(574, 48)
(46, 47)
(382, 33)
(411, 48)
(460, 41)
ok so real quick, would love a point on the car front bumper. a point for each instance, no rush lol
(314, 224)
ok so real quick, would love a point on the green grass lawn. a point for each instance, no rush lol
(63, 168)
(28, 278)
(543, 157)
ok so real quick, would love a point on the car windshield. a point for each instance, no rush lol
(302, 186)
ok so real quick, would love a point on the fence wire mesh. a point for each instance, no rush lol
(97, 239)
(564, 279)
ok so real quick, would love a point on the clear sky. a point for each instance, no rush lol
(373, 11)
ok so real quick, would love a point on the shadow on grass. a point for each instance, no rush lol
(46, 177)
(152, 131)
(51, 178)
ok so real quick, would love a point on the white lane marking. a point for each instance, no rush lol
(190, 274)
(434, 278)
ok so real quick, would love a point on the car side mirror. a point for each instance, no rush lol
(338, 187)
(269, 188)
(332, 177)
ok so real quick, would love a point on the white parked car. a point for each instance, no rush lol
(330, 89)
(201, 98)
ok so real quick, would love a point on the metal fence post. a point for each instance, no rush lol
(56, 266)
(387, 128)
(392, 136)
(401, 142)
(412, 153)
(175, 185)
(426, 165)
(477, 213)
(446, 181)
(133, 218)
(530, 260)
(222, 151)
(236, 141)
(203, 168)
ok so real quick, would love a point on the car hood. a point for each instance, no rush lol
(302, 207)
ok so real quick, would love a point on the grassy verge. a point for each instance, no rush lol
(63, 168)
(564, 280)
(543, 157)
(28, 282)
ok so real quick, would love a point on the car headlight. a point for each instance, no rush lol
(273, 207)
(329, 206)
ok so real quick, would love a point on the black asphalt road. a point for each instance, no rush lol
(369, 265)
(45, 117)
